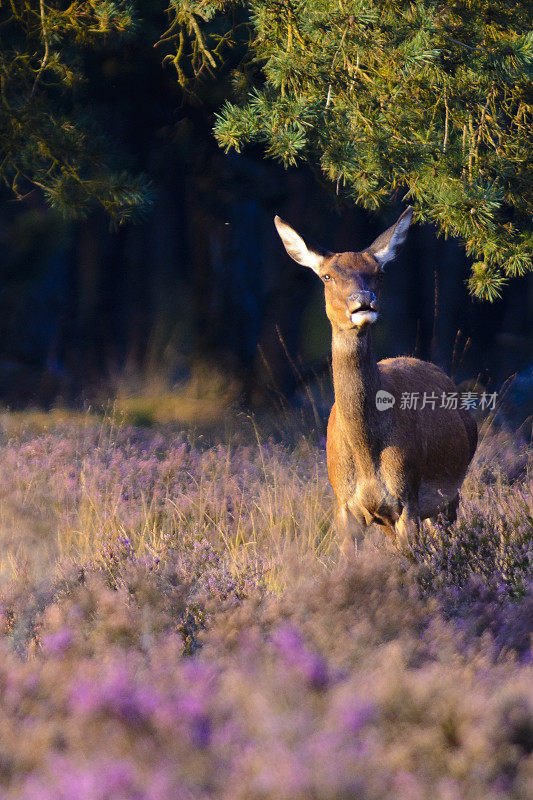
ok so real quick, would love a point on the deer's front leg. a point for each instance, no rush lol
(350, 529)
(407, 527)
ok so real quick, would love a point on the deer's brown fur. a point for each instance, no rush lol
(394, 466)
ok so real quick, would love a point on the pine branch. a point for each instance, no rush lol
(429, 99)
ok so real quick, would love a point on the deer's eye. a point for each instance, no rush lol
(326, 277)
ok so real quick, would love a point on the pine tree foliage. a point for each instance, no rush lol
(428, 102)
(46, 140)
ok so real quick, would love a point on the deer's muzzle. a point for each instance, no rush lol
(362, 307)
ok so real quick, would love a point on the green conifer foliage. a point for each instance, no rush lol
(46, 139)
(427, 102)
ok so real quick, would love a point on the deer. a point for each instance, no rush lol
(389, 462)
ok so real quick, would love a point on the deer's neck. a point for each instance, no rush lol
(356, 380)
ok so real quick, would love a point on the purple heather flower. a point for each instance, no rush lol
(357, 713)
(58, 642)
(311, 666)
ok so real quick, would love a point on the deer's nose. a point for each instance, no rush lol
(358, 301)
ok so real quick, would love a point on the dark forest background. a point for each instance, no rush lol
(201, 292)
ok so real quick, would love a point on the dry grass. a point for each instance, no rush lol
(70, 484)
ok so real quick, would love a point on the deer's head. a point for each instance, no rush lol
(352, 281)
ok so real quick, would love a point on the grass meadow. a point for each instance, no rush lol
(176, 623)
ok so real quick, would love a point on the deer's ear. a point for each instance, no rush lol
(297, 248)
(386, 246)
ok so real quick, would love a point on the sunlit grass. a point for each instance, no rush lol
(74, 486)
(281, 511)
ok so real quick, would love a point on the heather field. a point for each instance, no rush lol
(177, 624)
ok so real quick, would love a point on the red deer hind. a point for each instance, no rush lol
(388, 464)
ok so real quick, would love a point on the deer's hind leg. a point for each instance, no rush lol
(450, 512)
(447, 515)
